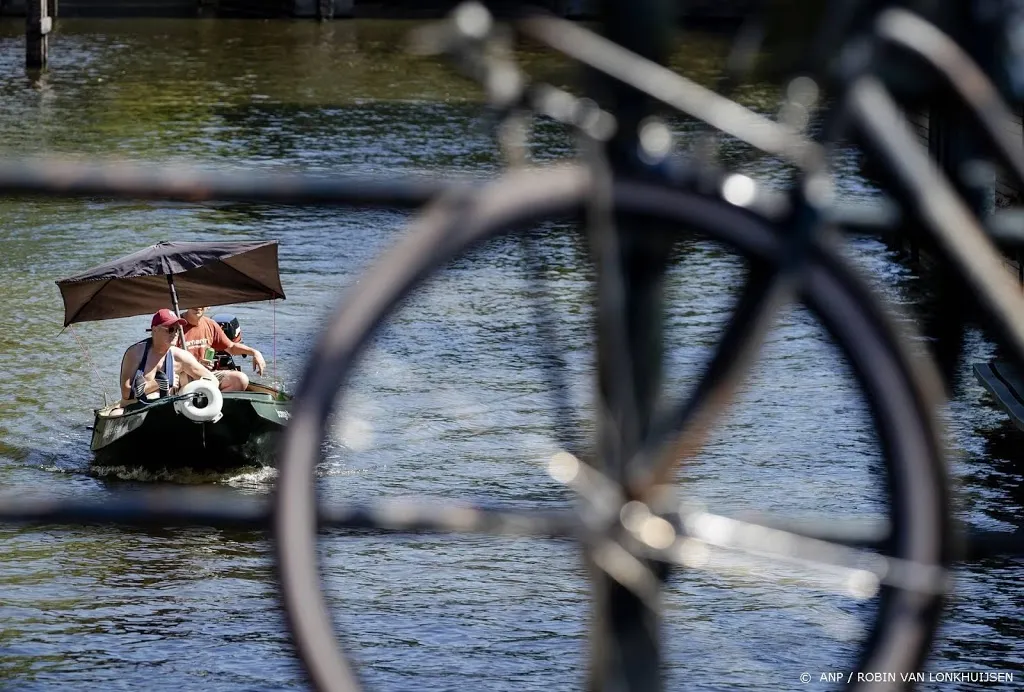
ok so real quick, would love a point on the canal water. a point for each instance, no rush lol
(452, 401)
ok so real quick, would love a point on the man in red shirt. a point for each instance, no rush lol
(201, 333)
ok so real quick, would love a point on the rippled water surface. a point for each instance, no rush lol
(451, 402)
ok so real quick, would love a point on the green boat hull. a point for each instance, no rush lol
(157, 436)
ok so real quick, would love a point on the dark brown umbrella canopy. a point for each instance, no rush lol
(204, 274)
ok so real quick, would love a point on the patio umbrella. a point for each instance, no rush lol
(196, 274)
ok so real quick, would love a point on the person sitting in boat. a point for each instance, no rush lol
(155, 364)
(202, 333)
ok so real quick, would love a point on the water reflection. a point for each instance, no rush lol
(1001, 477)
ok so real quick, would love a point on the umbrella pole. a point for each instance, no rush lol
(174, 302)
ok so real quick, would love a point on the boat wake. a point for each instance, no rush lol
(336, 469)
(256, 477)
(182, 475)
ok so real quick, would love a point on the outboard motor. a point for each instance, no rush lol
(222, 360)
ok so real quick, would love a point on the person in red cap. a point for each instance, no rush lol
(156, 365)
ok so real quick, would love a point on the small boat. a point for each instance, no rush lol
(200, 427)
(162, 435)
(1005, 383)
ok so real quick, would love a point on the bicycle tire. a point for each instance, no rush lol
(902, 391)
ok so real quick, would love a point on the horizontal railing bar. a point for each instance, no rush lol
(163, 507)
(65, 178)
(201, 508)
(57, 177)
(216, 509)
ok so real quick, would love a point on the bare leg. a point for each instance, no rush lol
(233, 381)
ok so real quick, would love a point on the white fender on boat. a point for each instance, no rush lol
(210, 413)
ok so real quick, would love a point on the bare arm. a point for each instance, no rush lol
(190, 365)
(130, 358)
(240, 349)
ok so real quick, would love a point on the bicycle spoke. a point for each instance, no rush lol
(682, 434)
(554, 366)
(861, 570)
(854, 532)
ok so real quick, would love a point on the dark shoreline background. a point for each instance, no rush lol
(697, 13)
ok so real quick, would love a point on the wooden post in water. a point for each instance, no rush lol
(322, 9)
(37, 26)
